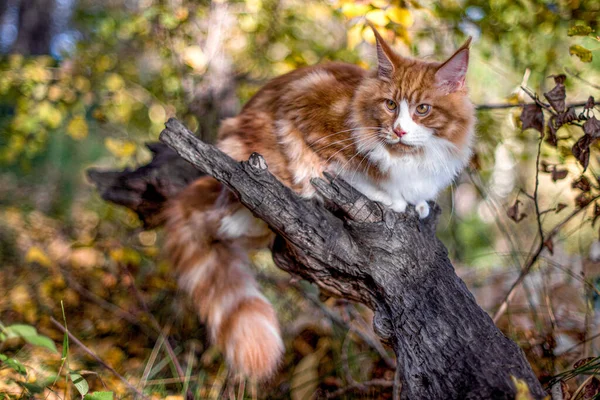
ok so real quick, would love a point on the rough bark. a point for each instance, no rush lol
(447, 347)
(35, 27)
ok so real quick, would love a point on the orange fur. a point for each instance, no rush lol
(330, 117)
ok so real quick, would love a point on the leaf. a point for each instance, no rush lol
(99, 396)
(13, 364)
(37, 256)
(590, 103)
(564, 388)
(31, 336)
(78, 128)
(596, 215)
(591, 389)
(592, 127)
(513, 212)
(581, 150)
(551, 138)
(582, 200)
(560, 207)
(80, 383)
(549, 244)
(559, 174)
(559, 79)
(567, 116)
(582, 362)
(400, 16)
(556, 97)
(584, 54)
(522, 390)
(532, 117)
(582, 184)
(31, 387)
(579, 30)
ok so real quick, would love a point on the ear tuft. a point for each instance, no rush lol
(385, 56)
(450, 76)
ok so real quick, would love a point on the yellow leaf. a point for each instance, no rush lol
(352, 10)
(195, 58)
(380, 3)
(78, 128)
(120, 148)
(377, 17)
(38, 256)
(584, 54)
(114, 82)
(305, 379)
(157, 114)
(369, 36)
(354, 36)
(522, 389)
(400, 16)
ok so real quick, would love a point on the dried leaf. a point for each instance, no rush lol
(549, 244)
(545, 166)
(551, 138)
(579, 30)
(522, 390)
(560, 207)
(513, 212)
(596, 215)
(567, 116)
(582, 200)
(590, 103)
(556, 97)
(582, 184)
(592, 127)
(581, 150)
(559, 174)
(584, 54)
(591, 389)
(559, 79)
(533, 117)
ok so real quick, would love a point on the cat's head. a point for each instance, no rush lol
(417, 105)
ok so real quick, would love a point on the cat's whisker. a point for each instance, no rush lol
(341, 141)
(371, 136)
(347, 162)
(346, 130)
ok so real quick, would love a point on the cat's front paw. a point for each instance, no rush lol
(422, 209)
(399, 205)
(381, 197)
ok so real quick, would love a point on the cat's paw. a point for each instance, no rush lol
(399, 205)
(381, 197)
(422, 209)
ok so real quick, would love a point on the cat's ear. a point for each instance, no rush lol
(385, 56)
(450, 76)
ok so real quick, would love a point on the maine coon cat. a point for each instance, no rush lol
(399, 134)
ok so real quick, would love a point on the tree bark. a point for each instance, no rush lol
(447, 347)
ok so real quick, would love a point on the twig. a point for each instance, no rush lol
(502, 106)
(576, 76)
(95, 357)
(533, 259)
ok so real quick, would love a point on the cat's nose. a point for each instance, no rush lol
(399, 132)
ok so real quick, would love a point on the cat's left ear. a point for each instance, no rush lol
(450, 76)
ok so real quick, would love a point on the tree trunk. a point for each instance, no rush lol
(447, 347)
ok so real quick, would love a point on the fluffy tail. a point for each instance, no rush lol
(207, 233)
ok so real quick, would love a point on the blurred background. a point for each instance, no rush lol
(85, 83)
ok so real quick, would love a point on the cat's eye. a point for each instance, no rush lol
(423, 109)
(391, 105)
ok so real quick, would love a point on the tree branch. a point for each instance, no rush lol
(447, 346)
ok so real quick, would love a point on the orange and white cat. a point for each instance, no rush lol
(399, 134)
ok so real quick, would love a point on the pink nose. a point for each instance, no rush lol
(399, 132)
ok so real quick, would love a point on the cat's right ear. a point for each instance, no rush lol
(385, 57)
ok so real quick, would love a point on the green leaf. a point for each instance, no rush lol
(21, 330)
(14, 364)
(31, 387)
(579, 30)
(42, 341)
(80, 383)
(99, 396)
(584, 54)
(29, 333)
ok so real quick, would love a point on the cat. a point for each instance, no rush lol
(399, 134)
